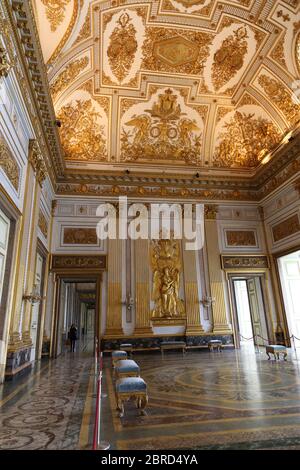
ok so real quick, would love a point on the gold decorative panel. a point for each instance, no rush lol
(70, 262)
(9, 164)
(286, 228)
(240, 238)
(252, 262)
(80, 236)
(43, 224)
(55, 11)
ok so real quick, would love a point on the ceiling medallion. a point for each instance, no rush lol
(55, 12)
(229, 59)
(176, 51)
(165, 134)
(122, 48)
(82, 137)
(191, 3)
(245, 141)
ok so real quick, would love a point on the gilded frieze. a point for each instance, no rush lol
(166, 268)
(85, 31)
(170, 50)
(55, 12)
(82, 136)
(244, 141)
(80, 236)
(286, 228)
(255, 262)
(240, 238)
(9, 164)
(163, 132)
(279, 95)
(229, 58)
(122, 47)
(68, 75)
(43, 224)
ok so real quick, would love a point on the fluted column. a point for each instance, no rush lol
(142, 288)
(114, 289)
(220, 321)
(192, 305)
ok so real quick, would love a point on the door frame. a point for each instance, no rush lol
(243, 274)
(276, 257)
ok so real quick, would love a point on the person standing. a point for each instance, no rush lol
(73, 337)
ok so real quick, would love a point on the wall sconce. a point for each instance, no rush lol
(35, 296)
(129, 302)
(207, 301)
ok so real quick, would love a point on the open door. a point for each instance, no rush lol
(257, 311)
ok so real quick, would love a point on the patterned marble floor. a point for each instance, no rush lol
(228, 400)
(51, 408)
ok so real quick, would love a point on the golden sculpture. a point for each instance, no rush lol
(55, 12)
(245, 141)
(229, 59)
(82, 136)
(166, 266)
(165, 134)
(122, 48)
(5, 66)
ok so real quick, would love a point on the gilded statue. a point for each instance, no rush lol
(166, 267)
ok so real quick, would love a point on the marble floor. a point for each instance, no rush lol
(228, 400)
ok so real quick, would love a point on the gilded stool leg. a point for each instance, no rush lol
(144, 401)
(269, 357)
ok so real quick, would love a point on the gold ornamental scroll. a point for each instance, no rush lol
(142, 289)
(114, 289)
(220, 322)
(192, 304)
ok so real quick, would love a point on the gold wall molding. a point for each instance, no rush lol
(80, 236)
(89, 262)
(248, 262)
(286, 228)
(9, 164)
(240, 238)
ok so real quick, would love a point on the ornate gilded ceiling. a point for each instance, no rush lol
(170, 85)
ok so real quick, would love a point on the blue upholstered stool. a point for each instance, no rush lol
(117, 355)
(126, 368)
(131, 388)
(215, 343)
(276, 349)
(127, 347)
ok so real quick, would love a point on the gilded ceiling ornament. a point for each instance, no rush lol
(85, 31)
(68, 75)
(298, 52)
(82, 136)
(278, 51)
(167, 50)
(122, 48)
(66, 35)
(5, 66)
(55, 12)
(222, 111)
(229, 59)
(280, 96)
(166, 267)
(202, 9)
(165, 132)
(9, 164)
(103, 101)
(245, 141)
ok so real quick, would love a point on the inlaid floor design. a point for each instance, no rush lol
(47, 412)
(229, 400)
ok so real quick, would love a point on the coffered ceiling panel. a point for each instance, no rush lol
(173, 85)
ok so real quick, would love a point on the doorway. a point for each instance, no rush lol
(249, 313)
(289, 274)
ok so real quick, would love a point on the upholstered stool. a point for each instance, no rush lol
(215, 343)
(117, 355)
(127, 347)
(172, 345)
(276, 349)
(126, 368)
(131, 388)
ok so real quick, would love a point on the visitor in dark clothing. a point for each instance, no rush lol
(73, 337)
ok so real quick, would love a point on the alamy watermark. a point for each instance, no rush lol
(152, 221)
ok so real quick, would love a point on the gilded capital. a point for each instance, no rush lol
(5, 66)
(210, 212)
(37, 161)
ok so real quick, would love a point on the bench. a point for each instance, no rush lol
(172, 345)
(126, 368)
(131, 388)
(276, 349)
(117, 355)
(215, 343)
